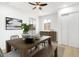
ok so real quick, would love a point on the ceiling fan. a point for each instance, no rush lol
(38, 5)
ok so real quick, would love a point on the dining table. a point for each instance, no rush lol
(25, 47)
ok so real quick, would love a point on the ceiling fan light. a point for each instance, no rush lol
(37, 6)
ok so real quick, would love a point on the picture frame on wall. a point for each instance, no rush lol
(13, 23)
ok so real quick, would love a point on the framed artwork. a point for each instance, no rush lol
(13, 23)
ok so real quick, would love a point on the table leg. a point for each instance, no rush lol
(8, 47)
(49, 41)
(23, 53)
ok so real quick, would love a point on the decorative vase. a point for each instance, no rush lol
(25, 35)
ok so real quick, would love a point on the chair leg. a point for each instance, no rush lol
(33, 50)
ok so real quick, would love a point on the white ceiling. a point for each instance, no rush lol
(51, 7)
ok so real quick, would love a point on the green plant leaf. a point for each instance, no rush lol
(25, 27)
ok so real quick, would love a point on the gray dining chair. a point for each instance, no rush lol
(10, 54)
(45, 52)
(12, 37)
(1, 53)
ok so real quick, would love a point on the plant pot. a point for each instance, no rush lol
(29, 40)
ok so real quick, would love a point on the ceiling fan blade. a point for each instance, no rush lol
(31, 3)
(43, 4)
(34, 8)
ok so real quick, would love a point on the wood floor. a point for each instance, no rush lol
(69, 51)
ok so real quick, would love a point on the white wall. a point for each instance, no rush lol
(69, 26)
(8, 11)
(52, 17)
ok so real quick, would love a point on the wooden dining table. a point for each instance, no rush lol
(24, 47)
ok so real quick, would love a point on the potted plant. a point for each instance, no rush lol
(25, 35)
(25, 27)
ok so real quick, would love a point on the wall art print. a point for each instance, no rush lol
(13, 23)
